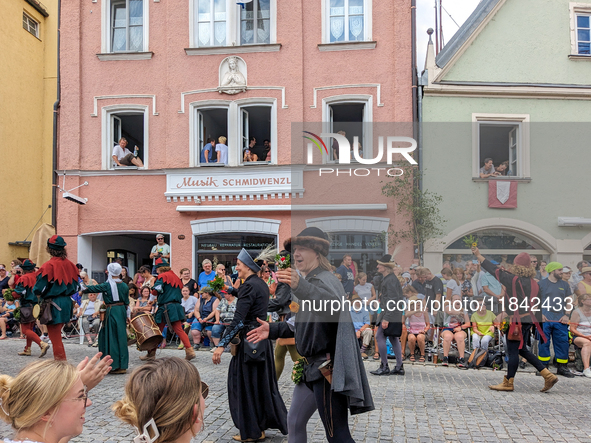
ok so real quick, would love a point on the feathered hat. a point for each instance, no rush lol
(267, 254)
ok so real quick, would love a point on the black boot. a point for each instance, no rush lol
(398, 371)
(564, 371)
(383, 370)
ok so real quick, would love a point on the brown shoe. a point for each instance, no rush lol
(150, 356)
(44, 348)
(507, 385)
(27, 351)
(189, 354)
(238, 438)
(549, 380)
(118, 371)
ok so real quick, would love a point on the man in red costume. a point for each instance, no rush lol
(170, 311)
(57, 281)
(29, 300)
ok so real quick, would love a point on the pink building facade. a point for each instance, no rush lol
(170, 75)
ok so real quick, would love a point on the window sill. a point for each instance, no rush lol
(125, 168)
(346, 46)
(579, 57)
(125, 56)
(244, 49)
(255, 163)
(505, 178)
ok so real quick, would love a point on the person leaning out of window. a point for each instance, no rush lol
(488, 170)
(124, 157)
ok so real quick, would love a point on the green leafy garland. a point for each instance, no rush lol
(297, 374)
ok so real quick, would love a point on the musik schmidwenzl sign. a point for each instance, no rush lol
(242, 183)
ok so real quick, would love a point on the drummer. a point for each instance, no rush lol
(170, 311)
(112, 339)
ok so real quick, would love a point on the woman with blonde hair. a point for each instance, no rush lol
(164, 408)
(47, 400)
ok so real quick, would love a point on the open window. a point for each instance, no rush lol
(347, 118)
(256, 129)
(504, 139)
(499, 142)
(131, 123)
(212, 123)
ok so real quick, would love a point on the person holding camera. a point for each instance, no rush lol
(159, 250)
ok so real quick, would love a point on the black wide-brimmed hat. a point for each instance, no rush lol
(387, 260)
(311, 238)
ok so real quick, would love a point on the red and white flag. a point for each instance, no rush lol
(502, 194)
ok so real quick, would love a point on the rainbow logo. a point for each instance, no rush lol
(315, 142)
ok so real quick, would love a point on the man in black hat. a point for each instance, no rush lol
(333, 378)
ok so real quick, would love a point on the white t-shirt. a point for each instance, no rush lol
(223, 150)
(189, 304)
(455, 288)
(120, 152)
(164, 250)
(364, 291)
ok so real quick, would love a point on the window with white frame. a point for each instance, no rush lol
(250, 142)
(127, 25)
(504, 140)
(346, 21)
(219, 23)
(125, 136)
(255, 22)
(30, 25)
(584, 34)
(211, 17)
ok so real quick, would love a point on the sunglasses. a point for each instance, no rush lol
(204, 390)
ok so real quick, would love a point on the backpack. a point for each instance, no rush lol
(478, 358)
(495, 360)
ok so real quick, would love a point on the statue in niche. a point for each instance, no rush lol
(233, 81)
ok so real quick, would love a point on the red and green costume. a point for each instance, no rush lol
(168, 290)
(28, 299)
(57, 281)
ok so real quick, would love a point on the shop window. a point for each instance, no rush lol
(364, 249)
(30, 25)
(255, 134)
(212, 124)
(348, 118)
(127, 26)
(504, 140)
(347, 21)
(131, 125)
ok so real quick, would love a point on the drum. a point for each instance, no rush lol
(147, 332)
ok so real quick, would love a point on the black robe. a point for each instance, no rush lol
(253, 394)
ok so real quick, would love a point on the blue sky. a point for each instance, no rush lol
(460, 10)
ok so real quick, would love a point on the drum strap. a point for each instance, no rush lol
(167, 318)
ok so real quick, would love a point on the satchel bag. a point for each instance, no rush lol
(27, 314)
(46, 317)
(254, 352)
(514, 333)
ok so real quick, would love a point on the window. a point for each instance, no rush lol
(129, 122)
(347, 21)
(212, 123)
(127, 26)
(255, 23)
(348, 118)
(583, 34)
(211, 22)
(30, 25)
(227, 23)
(239, 122)
(505, 141)
(256, 130)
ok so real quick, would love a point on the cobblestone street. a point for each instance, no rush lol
(429, 404)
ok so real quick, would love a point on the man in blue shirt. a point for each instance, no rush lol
(208, 154)
(347, 276)
(361, 322)
(555, 297)
(207, 275)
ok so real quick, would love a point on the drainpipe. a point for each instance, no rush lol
(413, 36)
(55, 122)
